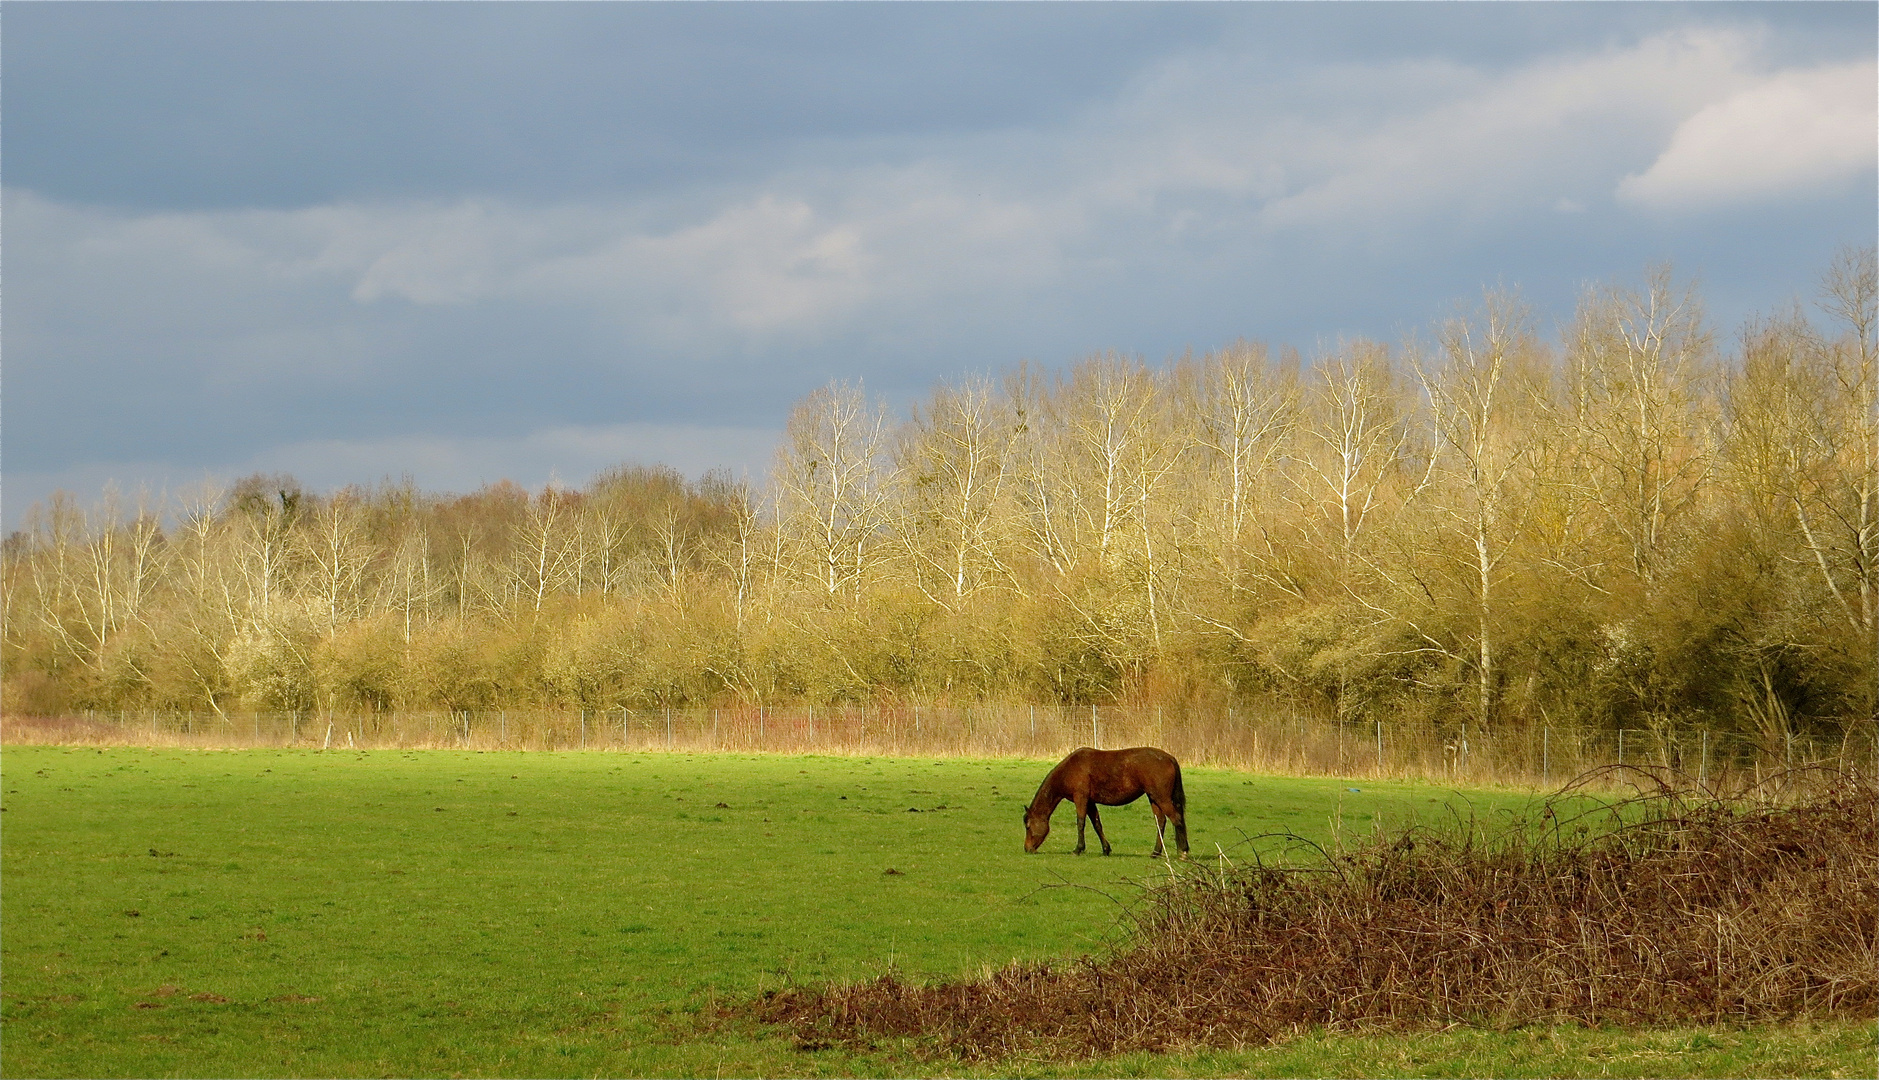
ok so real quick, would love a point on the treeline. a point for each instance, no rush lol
(1639, 526)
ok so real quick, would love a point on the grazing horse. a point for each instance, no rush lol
(1110, 778)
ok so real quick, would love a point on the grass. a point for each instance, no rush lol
(1799, 1050)
(291, 912)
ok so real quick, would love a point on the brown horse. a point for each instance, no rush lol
(1110, 778)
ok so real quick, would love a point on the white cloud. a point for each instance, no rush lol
(799, 258)
(448, 261)
(767, 264)
(1793, 134)
(1477, 146)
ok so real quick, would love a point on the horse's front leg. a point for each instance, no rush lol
(1084, 810)
(1096, 820)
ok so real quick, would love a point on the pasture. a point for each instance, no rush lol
(291, 912)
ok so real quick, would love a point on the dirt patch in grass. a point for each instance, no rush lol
(1676, 906)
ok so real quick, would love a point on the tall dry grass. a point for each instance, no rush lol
(1268, 740)
(1679, 905)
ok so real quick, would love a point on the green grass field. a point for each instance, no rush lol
(290, 912)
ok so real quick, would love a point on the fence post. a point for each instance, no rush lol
(1546, 752)
(1621, 746)
(1702, 767)
(1034, 722)
(1379, 747)
(668, 727)
(583, 729)
(1096, 742)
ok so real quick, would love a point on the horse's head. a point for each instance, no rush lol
(1036, 828)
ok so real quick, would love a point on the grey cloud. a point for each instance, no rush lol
(1199, 192)
(289, 105)
(295, 105)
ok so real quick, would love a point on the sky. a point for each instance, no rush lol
(469, 242)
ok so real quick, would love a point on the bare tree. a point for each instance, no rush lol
(263, 513)
(831, 484)
(408, 585)
(1482, 460)
(1639, 372)
(1850, 428)
(1108, 410)
(1044, 494)
(91, 573)
(1354, 435)
(953, 464)
(1241, 413)
(547, 557)
(337, 552)
(1098, 448)
(1244, 410)
(212, 604)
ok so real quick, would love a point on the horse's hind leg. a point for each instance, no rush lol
(1084, 810)
(1161, 827)
(1097, 821)
(1177, 809)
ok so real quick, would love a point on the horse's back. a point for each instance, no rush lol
(1115, 777)
(1147, 760)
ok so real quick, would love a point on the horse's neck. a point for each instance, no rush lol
(1048, 796)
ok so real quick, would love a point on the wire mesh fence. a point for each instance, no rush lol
(1260, 739)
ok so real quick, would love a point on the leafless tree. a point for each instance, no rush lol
(954, 460)
(1480, 389)
(831, 484)
(1640, 377)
